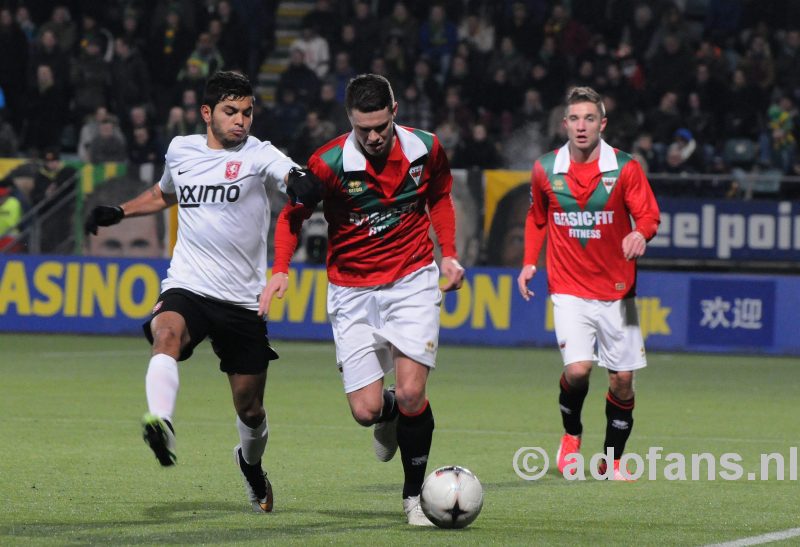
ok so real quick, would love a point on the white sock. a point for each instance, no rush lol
(161, 385)
(254, 441)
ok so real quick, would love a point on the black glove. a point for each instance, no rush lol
(304, 187)
(102, 215)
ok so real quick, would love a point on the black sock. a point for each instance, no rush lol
(570, 400)
(414, 435)
(619, 416)
(389, 409)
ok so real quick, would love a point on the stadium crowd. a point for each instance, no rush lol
(693, 86)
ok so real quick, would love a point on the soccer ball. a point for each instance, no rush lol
(452, 497)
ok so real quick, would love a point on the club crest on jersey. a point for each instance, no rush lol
(558, 185)
(355, 187)
(232, 170)
(608, 183)
(416, 173)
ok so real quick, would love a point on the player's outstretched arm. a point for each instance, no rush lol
(150, 201)
(524, 277)
(276, 286)
(453, 272)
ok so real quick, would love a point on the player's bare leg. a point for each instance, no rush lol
(414, 432)
(161, 385)
(372, 404)
(251, 421)
(573, 387)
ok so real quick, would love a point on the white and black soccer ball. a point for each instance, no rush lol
(452, 497)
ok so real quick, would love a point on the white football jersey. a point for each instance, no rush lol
(223, 216)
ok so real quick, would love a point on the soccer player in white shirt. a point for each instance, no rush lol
(217, 271)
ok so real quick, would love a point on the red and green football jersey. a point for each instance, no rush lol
(378, 222)
(586, 210)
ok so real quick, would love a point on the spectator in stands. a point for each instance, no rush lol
(571, 36)
(477, 150)
(91, 31)
(368, 32)
(46, 51)
(645, 154)
(663, 121)
(312, 134)
(107, 145)
(341, 74)
(55, 184)
(438, 37)
(508, 59)
(622, 132)
(427, 84)
(778, 145)
(299, 77)
(672, 66)
(9, 142)
(133, 33)
(288, 114)
(90, 129)
(62, 25)
(144, 148)
(325, 19)
(758, 66)
(787, 64)
(130, 77)
(226, 30)
(520, 28)
(638, 33)
(22, 16)
(742, 117)
(417, 109)
(13, 65)
(330, 109)
(454, 112)
(10, 215)
(45, 113)
(478, 33)
(170, 45)
(90, 77)
(401, 28)
(315, 50)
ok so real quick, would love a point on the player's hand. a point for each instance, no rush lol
(524, 277)
(276, 286)
(303, 187)
(633, 245)
(453, 272)
(102, 215)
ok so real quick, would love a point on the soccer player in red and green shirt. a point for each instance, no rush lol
(583, 197)
(382, 187)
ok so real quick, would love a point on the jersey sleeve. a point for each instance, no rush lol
(536, 219)
(273, 165)
(287, 235)
(440, 200)
(640, 200)
(166, 183)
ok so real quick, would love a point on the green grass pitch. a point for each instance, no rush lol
(74, 470)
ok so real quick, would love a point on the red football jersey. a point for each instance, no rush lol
(378, 222)
(585, 210)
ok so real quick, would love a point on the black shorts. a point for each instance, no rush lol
(238, 335)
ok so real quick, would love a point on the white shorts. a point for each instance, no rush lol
(369, 321)
(610, 326)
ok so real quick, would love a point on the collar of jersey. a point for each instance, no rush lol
(608, 159)
(354, 160)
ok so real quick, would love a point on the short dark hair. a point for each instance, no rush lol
(584, 94)
(368, 93)
(226, 85)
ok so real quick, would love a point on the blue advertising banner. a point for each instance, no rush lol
(727, 230)
(677, 311)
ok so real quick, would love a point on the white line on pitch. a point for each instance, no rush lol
(758, 540)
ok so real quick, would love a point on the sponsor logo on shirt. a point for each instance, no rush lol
(194, 196)
(232, 170)
(355, 187)
(378, 221)
(416, 173)
(580, 223)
